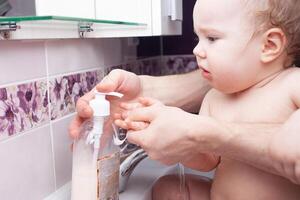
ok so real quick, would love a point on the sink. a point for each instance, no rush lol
(140, 182)
(144, 176)
(138, 187)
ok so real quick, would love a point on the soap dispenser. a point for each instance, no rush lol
(96, 157)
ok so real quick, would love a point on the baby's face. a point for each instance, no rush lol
(227, 52)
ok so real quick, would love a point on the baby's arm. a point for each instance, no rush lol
(208, 161)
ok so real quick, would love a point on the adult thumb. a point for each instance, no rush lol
(136, 137)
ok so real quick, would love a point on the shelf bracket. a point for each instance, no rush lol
(84, 27)
(6, 28)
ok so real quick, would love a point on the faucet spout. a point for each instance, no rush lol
(128, 165)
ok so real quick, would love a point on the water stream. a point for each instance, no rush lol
(182, 186)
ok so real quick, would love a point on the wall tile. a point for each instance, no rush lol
(178, 64)
(26, 168)
(69, 56)
(62, 150)
(148, 66)
(65, 91)
(113, 51)
(25, 58)
(23, 107)
(151, 66)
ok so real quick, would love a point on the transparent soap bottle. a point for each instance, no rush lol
(96, 157)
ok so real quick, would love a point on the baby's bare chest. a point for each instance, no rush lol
(262, 106)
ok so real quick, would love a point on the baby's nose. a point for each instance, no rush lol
(199, 51)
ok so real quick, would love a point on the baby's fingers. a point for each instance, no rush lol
(121, 123)
(130, 106)
(147, 101)
(144, 114)
(136, 126)
(129, 125)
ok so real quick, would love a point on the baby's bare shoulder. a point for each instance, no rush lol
(291, 77)
(291, 83)
(213, 94)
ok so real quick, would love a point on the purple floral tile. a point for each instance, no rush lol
(178, 64)
(110, 68)
(151, 66)
(148, 66)
(130, 66)
(66, 90)
(23, 107)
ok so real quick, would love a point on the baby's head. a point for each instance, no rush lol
(283, 14)
(242, 42)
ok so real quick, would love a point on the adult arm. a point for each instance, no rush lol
(185, 91)
(274, 148)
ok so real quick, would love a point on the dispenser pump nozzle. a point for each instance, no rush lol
(100, 106)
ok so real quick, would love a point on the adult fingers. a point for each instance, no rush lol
(82, 106)
(137, 138)
(121, 81)
(145, 114)
(74, 127)
(111, 82)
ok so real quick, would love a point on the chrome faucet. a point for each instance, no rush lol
(131, 156)
(128, 165)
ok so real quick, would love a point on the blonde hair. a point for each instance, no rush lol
(284, 14)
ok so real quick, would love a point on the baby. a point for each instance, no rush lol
(247, 51)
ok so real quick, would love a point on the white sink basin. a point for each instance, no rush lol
(139, 184)
(142, 179)
(146, 173)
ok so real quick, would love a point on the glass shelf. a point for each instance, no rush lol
(60, 27)
(66, 19)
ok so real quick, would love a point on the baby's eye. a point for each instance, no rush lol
(212, 39)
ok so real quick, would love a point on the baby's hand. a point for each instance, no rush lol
(124, 123)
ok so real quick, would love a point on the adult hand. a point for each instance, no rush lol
(169, 138)
(117, 80)
(284, 149)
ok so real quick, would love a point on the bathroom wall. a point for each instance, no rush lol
(40, 82)
(176, 51)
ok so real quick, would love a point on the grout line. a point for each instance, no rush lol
(22, 82)
(63, 117)
(75, 72)
(48, 77)
(161, 44)
(49, 113)
(25, 133)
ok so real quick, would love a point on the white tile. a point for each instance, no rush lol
(21, 60)
(26, 168)
(65, 56)
(62, 151)
(113, 52)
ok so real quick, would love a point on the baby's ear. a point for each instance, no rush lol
(274, 44)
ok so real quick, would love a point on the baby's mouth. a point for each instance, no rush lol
(205, 73)
(203, 69)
